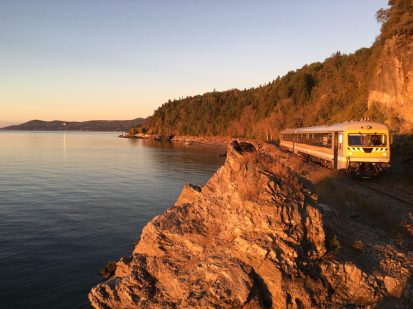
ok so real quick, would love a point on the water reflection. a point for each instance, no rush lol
(64, 146)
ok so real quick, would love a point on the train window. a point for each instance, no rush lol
(340, 141)
(315, 139)
(366, 139)
(326, 140)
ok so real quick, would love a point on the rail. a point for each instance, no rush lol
(397, 193)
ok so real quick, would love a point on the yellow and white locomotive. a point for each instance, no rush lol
(360, 147)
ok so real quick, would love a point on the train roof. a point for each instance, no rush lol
(350, 125)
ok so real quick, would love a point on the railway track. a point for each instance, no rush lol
(400, 194)
(406, 190)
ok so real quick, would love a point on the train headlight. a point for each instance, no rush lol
(385, 154)
(350, 153)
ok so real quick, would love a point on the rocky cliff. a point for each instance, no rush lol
(391, 89)
(252, 237)
(392, 84)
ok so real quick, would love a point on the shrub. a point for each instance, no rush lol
(333, 244)
(358, 245)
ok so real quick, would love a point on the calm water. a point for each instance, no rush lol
(70, 202)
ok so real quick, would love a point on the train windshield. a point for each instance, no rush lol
(367, 140)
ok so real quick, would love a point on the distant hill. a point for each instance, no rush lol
(373, 82)
(92, 125)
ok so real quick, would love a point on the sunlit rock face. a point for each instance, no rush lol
(392, 83)
(252, 237)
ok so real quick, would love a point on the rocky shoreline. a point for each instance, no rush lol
(187, 139)
(255, 236)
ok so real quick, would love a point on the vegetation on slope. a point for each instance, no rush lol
(397, 19)
(318, 93)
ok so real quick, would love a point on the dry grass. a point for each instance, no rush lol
(333, 244)
(249, 162)
(285, 175)
(256, 162)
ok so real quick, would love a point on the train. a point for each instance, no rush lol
(360, 148)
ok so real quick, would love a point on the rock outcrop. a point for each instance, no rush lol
(252, 237)
(391, 86)
(392, 83)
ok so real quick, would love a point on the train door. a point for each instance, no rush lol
(335, 150)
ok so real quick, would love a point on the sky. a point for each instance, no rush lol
(79, 60)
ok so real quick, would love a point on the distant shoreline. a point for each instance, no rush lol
(91, 125)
